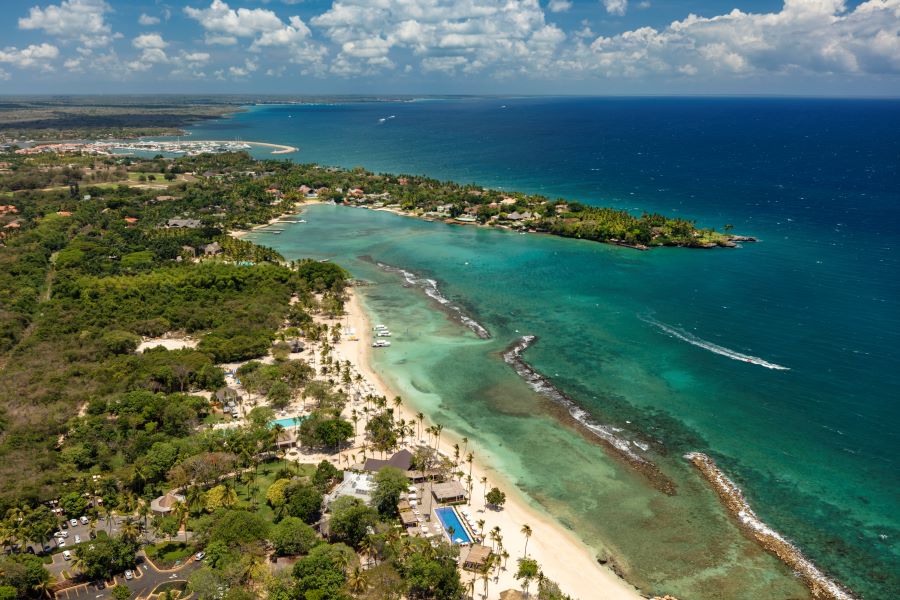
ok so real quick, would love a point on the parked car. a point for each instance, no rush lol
(61, 543)
(77, 539)
(129, 574)
(200, 555)
(67, 555)
(84, 520)
(65, 524)
(73, 522)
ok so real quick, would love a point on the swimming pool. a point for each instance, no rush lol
(449, 519)
(286, 422)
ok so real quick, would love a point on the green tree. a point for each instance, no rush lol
(121, 592)
(390, 482)
(323, 572)
(350, 520)
(326, 474)
(433, 575)
(527, 572)
(303, 501)
(104, 557)
(292, 536)
(496, 497)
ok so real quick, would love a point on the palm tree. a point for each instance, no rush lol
(420, 417)
(484, 483)
(485, 577)
(143, 512)
(180, 512)
(526, 531)
(470, 586)
(229, 497)
(195, 499)
(130, 531)
(465, 442)
(45, 587)
(357, 581)
(480, 524)
(437, 432)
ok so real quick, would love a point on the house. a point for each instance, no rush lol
(183, 223)
(164, 504)
(296, 345)
(507, 201)
(449, 492)
(227, 395)
(401, 460)
(477, 558)
(64, 213)
(212, 249)
(188, 251)
(408, 518)
(165, 198)
(304, 189)
(287, 438)
(13, 225)
(131, 220)
(357, 485)
(8, 209)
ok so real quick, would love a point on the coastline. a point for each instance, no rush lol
(562, 557)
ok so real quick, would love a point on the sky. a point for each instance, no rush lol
(600, 47)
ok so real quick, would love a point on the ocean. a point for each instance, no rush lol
(778, 359)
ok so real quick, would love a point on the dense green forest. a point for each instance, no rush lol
(90, 427)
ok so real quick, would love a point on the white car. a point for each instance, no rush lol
(77, 539)
(129, 574)
(67, 555)
(73, 522)
(61, 543)
(84, 520)
(200, 555)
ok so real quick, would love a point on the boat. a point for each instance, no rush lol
(383, 333)
(380, 327)
(380, 344)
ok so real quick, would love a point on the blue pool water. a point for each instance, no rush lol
(287, 422)
(449, 519)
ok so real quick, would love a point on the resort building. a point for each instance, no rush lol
(449, 492)
(164, 504)
(476, 558)
(358, 485)
(183, 223)
(401, 460)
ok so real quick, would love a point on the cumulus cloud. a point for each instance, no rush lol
(147, 20)
(33, 55)
(149, 41)
(616, 7)
(558, 6)
(447, 35)
(4, 76)
(82, 20)
(225, 25)
(221, 20)
(812, 36)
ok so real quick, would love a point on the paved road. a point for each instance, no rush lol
(146, 579)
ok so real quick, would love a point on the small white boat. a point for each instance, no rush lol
(380, 344)
(383, 333)
(380, 327)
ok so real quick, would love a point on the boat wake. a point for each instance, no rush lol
(821, 586)
(430, 287)
(622, 447)
(714, 348)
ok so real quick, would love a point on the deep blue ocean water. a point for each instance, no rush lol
(814, 447)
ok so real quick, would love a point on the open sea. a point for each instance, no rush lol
(671, 350)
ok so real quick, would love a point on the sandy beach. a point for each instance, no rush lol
(562, 557)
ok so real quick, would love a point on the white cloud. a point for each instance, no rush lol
(559, 6)
(33, 55)
(149, 41)
(4, 76)
(195, 57)
(221, 19)
(241, 72)
(72, 20)
(147, 20)
(292, 40)
(616, 7)
(811, 36)
(447, 35)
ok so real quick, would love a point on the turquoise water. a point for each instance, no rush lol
(651, 343)
(450, 519)
(287, 422)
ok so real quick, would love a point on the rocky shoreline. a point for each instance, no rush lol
(819, 584)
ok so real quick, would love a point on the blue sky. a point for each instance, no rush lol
(805, 47)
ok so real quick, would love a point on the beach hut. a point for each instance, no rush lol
(164, 504)
(449, 492)
(477, 557)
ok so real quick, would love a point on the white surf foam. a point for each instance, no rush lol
(692, 339)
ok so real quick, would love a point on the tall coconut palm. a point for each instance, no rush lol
(420, 417)
(130, 530)
(484, 483)
(195, 499)
(180, 512)
(526, 531)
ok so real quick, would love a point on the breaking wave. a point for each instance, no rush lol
(541, 385)
(714, 348)
(430, 287)
(821, 586)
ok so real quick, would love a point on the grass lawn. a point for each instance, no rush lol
(167, 554)
(264, 478)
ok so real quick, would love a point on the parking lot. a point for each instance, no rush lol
(146, 579)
